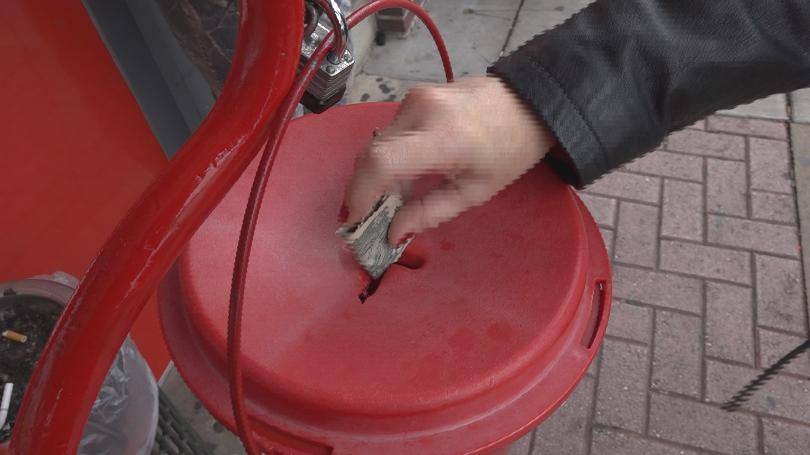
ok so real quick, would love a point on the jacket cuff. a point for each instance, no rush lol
(581, 158)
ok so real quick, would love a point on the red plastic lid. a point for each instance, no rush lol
(461, 355)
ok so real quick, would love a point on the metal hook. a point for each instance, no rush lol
(341, 30)
(311, 17)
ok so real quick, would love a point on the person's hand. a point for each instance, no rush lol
(475, 134)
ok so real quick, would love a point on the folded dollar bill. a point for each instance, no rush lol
(368, 239)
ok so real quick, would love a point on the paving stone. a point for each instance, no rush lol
(474, 32)
(677, 353)
(667, 164)
(748, 126)
(657, 288)
(682, 214)
(783, 438)
(753, 235)
(621, 400)
(726, 187)
(782, 396)
(773, 207)
(706, 261)
(371, 88)
(770, 166)
(704, 143)
(607, 237)
(729, 322)
(779, 293)
(774, 345)
(608, 441)
(625, 185)
(537, 16)
(566, 430)
(637, 234)
(630, 321)
(772, 107)
(800, 143)
(603, 209)
(701, 425)
(800, 103)
(222, 441)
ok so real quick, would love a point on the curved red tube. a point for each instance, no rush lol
(257, 192)
(147, 241)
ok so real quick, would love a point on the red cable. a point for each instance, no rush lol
(278, 128)
(246, 239)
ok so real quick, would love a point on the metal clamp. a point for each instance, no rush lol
(329, 84)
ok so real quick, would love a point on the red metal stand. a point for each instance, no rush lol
(144, 245)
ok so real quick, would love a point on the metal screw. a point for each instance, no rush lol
(334, 59)
(348, 58)
(331, 70)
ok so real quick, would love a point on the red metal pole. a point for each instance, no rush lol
(147, 241)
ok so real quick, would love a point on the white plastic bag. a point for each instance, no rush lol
(125, 414)
(124, 417)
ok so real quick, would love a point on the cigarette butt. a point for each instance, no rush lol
(15, 336)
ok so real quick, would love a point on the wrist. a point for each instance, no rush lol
(521, 115)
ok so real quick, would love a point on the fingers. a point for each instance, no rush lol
(401, 151)
(363, 191)
(388, 165)
(375, 174)
(417, 112)
(440, 205)
(475, 133)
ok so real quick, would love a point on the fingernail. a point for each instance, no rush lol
(343, 215)
(408, 236)
(412, 258)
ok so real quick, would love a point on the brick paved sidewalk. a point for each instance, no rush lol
(708, 290)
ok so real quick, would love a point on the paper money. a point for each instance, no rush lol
(368, 239)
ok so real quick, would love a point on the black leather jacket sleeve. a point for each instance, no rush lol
(617, 77)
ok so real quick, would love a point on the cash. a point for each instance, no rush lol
(368, 239)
